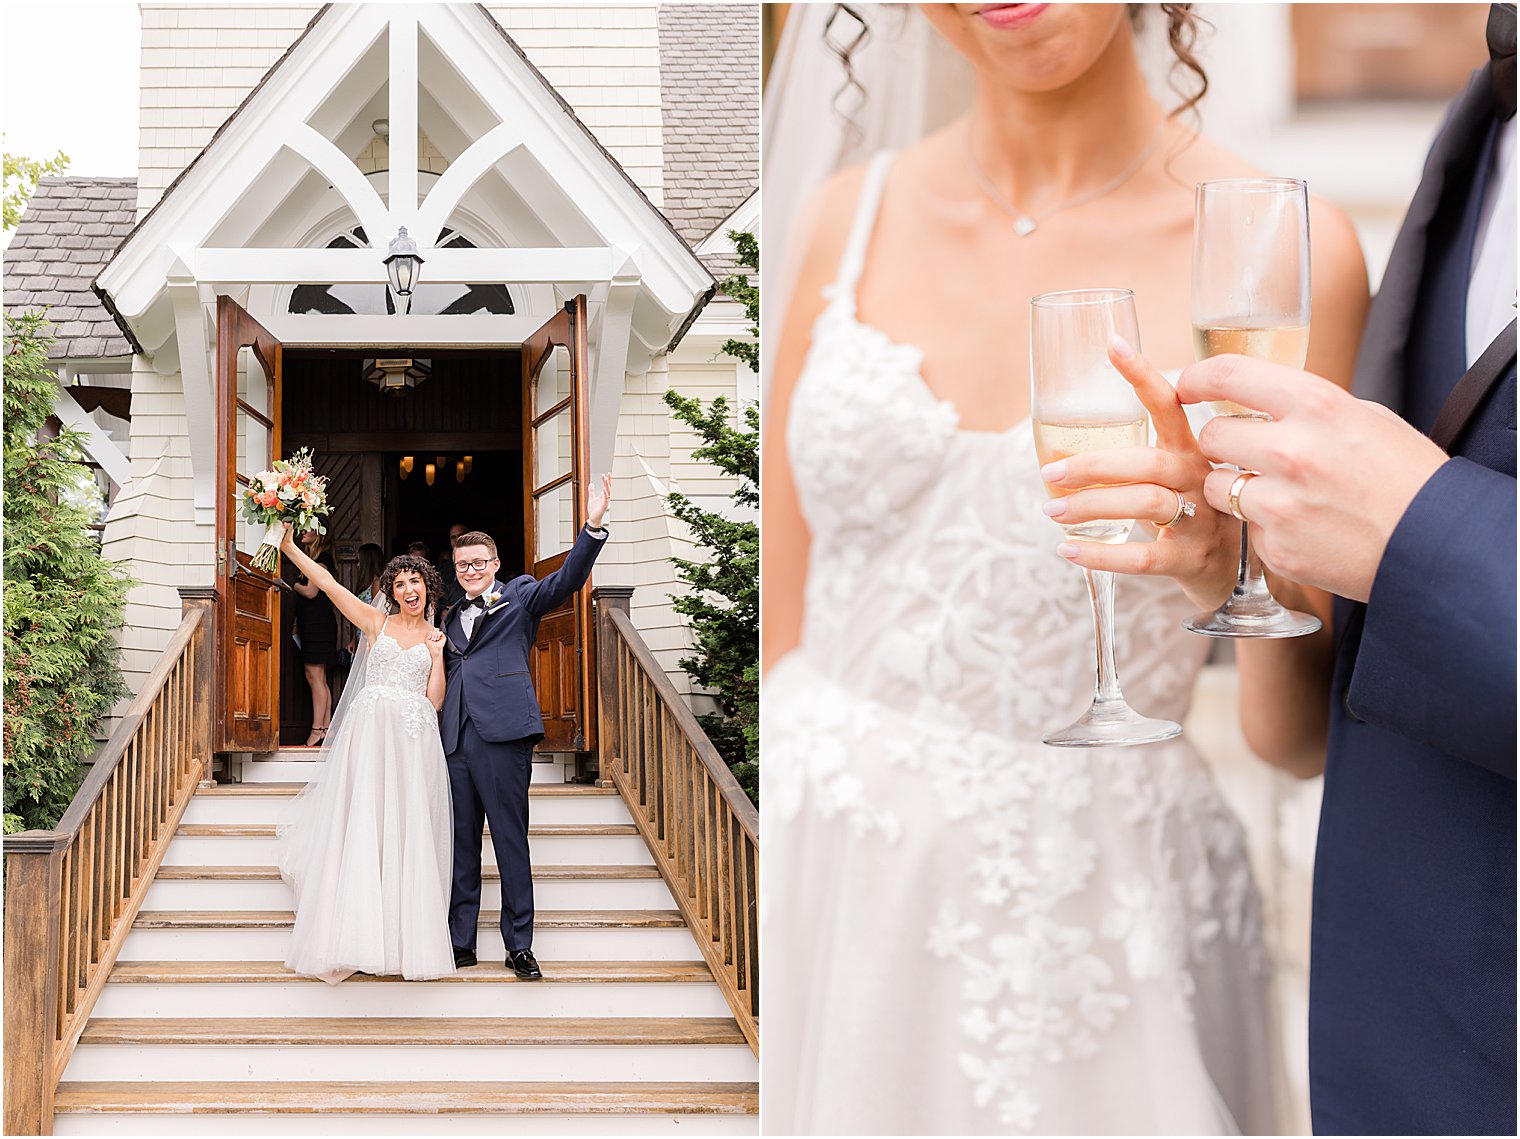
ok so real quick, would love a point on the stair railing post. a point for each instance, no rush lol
(608, 743)
(33, 883)
(202, 655)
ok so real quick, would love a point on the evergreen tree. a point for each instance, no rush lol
(63, 602)
(724, 603)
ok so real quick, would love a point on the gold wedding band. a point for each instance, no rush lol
(1235, 488)
(1185, 509)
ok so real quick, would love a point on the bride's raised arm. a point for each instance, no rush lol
(365, 618)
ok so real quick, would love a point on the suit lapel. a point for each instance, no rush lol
(1381, 367)
(1473, 387)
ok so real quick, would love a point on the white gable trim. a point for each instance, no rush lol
(578, 185)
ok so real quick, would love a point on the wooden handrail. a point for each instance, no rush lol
(72, 893)
(697, 820)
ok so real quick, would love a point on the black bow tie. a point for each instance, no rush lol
(1501, 50)
(475, 602)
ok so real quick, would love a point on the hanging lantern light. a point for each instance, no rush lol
(397, 375)
(459, 471)
(403, 264)
(469, 463)
(431, 473)
(406, 466)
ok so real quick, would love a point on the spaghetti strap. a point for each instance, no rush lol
(852, 261)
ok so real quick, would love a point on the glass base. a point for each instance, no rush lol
(1114, 724)
(1254, 617)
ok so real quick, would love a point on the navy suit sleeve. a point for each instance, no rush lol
(1437, 656)
(547, 595)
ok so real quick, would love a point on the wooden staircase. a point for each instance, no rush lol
(200, 1027)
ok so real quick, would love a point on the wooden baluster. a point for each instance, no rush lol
(751, 977)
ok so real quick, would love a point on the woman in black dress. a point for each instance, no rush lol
(317, 626)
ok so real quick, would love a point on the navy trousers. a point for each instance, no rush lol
(489, 784)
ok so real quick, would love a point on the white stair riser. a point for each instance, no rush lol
(296, 767)
(438, 999)
(529, 1124)
(412, 1062)
(550, 894)
(548, 945)
(599, 809)
(546, 850)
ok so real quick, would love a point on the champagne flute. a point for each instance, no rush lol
(1081, 403)
(1251, 297)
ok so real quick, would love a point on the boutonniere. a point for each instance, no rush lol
(492, 600)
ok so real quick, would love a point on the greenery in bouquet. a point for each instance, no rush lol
(290, 491)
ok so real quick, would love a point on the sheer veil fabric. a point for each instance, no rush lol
(964, 931)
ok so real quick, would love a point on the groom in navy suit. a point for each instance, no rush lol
(1411, 521)
(490, 722)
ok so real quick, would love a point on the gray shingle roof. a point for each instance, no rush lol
(710, 107)
(67, 234)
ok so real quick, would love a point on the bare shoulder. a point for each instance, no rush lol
(821, 230)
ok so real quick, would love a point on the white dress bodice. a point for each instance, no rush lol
(1042, 917)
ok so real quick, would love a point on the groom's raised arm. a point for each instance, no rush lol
(549, 593)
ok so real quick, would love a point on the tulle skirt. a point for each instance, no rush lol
(369, 847)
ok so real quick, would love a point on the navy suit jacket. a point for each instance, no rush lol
(1412, 975)
(487, 677)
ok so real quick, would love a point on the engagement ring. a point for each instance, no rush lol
(1186, 508)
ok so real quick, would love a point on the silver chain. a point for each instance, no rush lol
(1024, 223)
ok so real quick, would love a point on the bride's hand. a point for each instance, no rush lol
(1201, 553)
(435, 643)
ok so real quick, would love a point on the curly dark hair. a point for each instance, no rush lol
(1182, 27)
(431, 581)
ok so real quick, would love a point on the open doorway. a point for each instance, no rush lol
(374, 436)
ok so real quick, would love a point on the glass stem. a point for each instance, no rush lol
(1100, 587)
(1251, 582)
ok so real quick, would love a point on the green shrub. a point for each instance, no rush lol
(63, 601)
(724, 604)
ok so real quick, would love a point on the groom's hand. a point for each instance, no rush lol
(1336, 473)
(597, 502)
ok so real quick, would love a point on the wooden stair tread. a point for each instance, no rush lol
(488, 971)
(397, 1097)
(285, 919)
(272, 873)
(428, 1031)
(286, 788)
(267, 830)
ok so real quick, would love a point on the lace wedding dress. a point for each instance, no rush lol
(369, 848)
(966, 931)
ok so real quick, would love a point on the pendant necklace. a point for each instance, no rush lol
(1024, 224)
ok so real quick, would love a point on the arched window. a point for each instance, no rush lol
(374, 300)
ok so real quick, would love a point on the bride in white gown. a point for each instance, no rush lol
(368, 847)
(966, 931)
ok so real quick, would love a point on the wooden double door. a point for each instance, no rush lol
(522, 438)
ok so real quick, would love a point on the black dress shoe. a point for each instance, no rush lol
(524, 964)
(463, 958)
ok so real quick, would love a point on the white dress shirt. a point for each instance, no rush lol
(1491, 287)
(469, 614)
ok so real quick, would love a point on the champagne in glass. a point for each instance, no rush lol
(1081, 403)
(1287, 345)
(1251, 297)
(1090, 432)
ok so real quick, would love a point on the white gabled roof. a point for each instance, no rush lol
(565, 204)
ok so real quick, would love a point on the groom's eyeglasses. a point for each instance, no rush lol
(478, 565)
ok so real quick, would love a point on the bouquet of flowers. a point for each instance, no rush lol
(289, 492)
